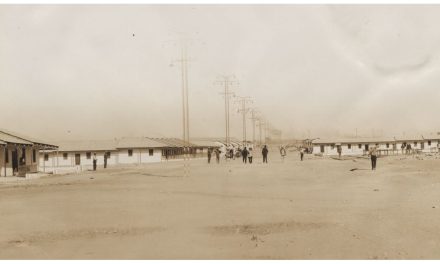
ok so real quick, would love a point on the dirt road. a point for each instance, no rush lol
(315, 209)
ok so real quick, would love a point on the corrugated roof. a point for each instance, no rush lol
(174, 142)
(139, 142)
(9, 138)
(353, 140)
(87, 145)
(206, 143)
(409, 138)
(16, 138)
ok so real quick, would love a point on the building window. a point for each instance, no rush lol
(65, 155)
(322, 148)
(151, 152)
(429, 142)
(88, 155)
(46, 157)
(34, 155)
(130, 152)
(332, 146)
(108, 154)
(415, 144)
(388, 145)
(349, 146)
(360, 146)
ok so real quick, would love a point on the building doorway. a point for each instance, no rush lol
(77, 159)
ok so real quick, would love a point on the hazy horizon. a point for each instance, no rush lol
(102, 71)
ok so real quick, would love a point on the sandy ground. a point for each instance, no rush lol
(315, 209)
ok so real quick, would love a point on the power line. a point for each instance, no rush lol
(243, 100)
(227, 81)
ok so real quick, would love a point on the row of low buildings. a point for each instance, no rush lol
(20, 155)
(385, 145)
(123, 151)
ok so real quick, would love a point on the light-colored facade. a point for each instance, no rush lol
(385, 146)
(78, 155)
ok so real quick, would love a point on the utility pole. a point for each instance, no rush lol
(227, 81)
(183, 61)
(260, 126)
(254, 118)
(243, 100)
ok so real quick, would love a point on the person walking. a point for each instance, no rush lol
(209, 155)
(250, 155)
(339, 148)
(95, 161)
(282, 153)
(373, 155)
(244, 154)
(301, 153)
(105, 160)
(265, 151)
(217, 155)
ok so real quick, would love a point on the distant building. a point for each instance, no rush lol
(386, 146)
(19, 154)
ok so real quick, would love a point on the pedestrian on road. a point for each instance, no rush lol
(250, 155)
(282, 153)
(301, 153)
(95, 161)
(105, 160)
(209, 155)
(244, 154)
(217, 155)
(373, 155)
(265, 151)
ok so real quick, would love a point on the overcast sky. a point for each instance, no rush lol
(77, 72)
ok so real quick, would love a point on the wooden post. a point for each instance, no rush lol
(4, 158)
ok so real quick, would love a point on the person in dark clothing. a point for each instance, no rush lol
(373, 154)
(209, 155)
(95, 161)
(264, 152)
(244, 154)
(301, 153)
(217, 155)
(105, 160)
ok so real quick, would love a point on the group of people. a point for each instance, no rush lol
(95, 161)
(245, 153)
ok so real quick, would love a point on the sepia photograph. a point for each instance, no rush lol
(193, 131)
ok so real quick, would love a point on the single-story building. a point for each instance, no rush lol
(385, 145)
(79, 154)
(19, 154)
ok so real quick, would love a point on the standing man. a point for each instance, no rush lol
(282, 153)
(264, 152)
(244, 154)
(250, 155)
(105, 160)
(217, 155)
(373, 155)
(301, 153)
(339, 147)
(209, 155)
(95, 161)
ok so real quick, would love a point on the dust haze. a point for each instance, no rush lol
(88, 72)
